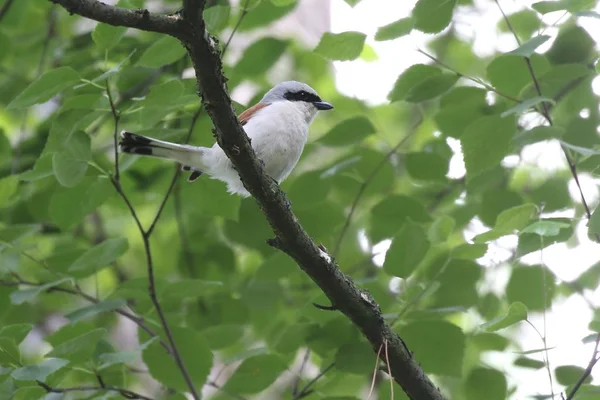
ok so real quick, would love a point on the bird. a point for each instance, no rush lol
(277, 127)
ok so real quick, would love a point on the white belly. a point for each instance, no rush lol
(278, 137)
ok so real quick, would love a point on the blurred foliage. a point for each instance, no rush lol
(72, 259)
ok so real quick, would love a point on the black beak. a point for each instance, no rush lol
(323, 105)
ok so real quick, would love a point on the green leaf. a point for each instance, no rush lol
(544, 227)
(216, 18)
(441, 229)
(391, 213)
(509, 221)
(532, 286)
(446, 357)
(411, 78)
(538, 134)
(544, 7)
(396, 29)
(71, 164)
(21, 296)
(348, 132)
(528, 48)
(509, 74)
(255, 374)
(486, 142)
(38, 372)
(48, 85)
(352, 3)
(432, 87)
(526, 105)
(408, 249)
(68, 206)
(79, 349)
(426, 166)
(351, 358)
(263, 13)
(526, 362)
(569, 374)
(16, 332)
(189, 289)
(89, 311)
(517, 312)
(108, 36)
(485, 383)
(123, 357)
(260, 56)
(343, 46)
(594, 224)
(99, 256)
(164, 51)
(8, 187)
(195, 352)
(432, 16)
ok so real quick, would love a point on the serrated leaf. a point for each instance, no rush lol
(255, 374)
(410, 78)
(408, 249)
(123, 357)
(526, 105)
(396, 29)
(71, 163)
(164, 51)
(538, 134)
(21, 296)
(528, 48)
(594, 224)
(533, 286)
(517, 312)
(426, 166)
(441, 229)
(509, 221)
(544, 7)
(80, 348)
(343, 46)
(260, 56)
(89, 311)
(189, 288)
(38, 372)
(348, 132)
(48, 85)
(8, 187)
(569, 374)
(108, 36)
(432, 87)
(99, 256)
(432, 16)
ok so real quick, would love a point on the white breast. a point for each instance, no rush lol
(278, 134)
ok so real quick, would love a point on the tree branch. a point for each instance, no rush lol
(357, 305)
(140, 19)
(124, 392)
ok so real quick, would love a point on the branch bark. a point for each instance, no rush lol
(290, 237)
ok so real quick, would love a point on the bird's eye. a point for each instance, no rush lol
(303, 94)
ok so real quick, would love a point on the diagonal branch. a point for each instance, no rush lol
(357, 305)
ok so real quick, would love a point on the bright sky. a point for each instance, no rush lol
(567, 323)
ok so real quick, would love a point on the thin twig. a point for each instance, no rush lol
(78, 292)
(374, 378)
(236, 27)
(176, 174)
(125, 392)
(5, 8)
(366, 183)
(545, 111)
(478, 81)
(588, 371)
(306, 390)
(116, 117)
(296, 382)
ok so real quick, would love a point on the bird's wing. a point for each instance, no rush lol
(245, 116)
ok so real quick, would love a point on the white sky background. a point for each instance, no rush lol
(567, 323)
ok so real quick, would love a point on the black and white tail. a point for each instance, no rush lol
(132, 143)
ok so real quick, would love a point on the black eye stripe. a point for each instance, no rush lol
(301, 95)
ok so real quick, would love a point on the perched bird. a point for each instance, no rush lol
(277, 127)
